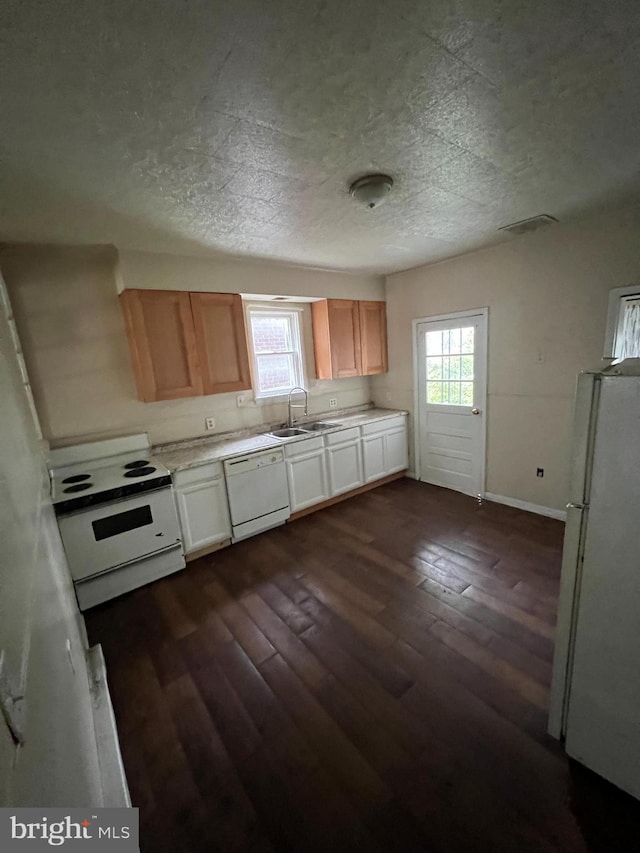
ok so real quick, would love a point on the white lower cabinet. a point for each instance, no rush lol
(374, 457)
(384, 448)
(202, 506)
(344, 463)
(306, 473)
(396, 448)
(318, 468)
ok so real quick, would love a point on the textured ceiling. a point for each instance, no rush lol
(236, 127)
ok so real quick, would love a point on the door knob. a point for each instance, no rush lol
(475, 411)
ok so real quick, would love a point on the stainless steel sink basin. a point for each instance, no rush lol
(320, 425)
(289, 432)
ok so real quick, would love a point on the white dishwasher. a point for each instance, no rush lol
(258, 492)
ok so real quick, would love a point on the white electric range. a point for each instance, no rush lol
(117, 516)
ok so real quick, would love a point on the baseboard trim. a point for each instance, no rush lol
(115, 790)
(209, 549)
(560, 514)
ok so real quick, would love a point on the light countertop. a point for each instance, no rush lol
(190, 453)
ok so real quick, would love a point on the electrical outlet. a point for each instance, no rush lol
(210, 423)
(539, 472)
(333, 402)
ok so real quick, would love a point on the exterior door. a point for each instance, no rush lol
(451, 392)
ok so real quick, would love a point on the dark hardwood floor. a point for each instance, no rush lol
(371, 677)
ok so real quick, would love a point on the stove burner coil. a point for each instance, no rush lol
(138, 463)
(77, 478)
(140, 472)
(79, 487)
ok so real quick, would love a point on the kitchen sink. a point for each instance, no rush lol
(320, 425)
(289, 432)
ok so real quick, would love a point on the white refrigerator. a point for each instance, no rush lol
(595, 693)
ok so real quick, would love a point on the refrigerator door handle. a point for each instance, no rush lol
(577, 506)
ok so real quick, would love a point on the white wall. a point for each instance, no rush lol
(74, 341)
(546, 293)
(155, 271)
(58, 764)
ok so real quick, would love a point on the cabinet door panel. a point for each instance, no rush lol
(396, 450)
(344, 462)
(162, 344)
(307, 478)
(373, 337)
(221, 341)
(204, 514)
(374, 457)
(336, 338)
(344, 328)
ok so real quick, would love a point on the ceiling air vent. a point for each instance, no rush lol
(527, 225)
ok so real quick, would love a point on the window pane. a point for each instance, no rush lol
(466, 393)
(434, 343)
(454, 393)
(466, 367)
(434, 367)
(467, 335)
(628, 341)
(434, 392)
(271, 334)
(455, 341)
(275, 372)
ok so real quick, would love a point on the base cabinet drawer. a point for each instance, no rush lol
(344, 464)
(307, 476)
(204, 514)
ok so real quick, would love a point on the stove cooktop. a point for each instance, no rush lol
(84, 484)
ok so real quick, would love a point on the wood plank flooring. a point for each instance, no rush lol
(372, 677)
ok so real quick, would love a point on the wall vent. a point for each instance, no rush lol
(527, 225)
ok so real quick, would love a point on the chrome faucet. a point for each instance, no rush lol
(291, 420)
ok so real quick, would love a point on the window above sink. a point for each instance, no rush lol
(275, 340)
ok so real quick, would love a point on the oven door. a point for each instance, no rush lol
(101, 538)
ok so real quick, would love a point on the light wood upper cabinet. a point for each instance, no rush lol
(186, 344)
(162, 344)
(349, 338)
(373, 337)
(336, 338)
(221, 342)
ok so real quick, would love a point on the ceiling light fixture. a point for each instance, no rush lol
(371, 190)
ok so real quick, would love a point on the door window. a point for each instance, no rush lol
(450, 366)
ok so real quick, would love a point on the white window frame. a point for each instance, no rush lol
(617, 298)
(295, 317)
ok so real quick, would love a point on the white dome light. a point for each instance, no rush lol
(371, 190)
